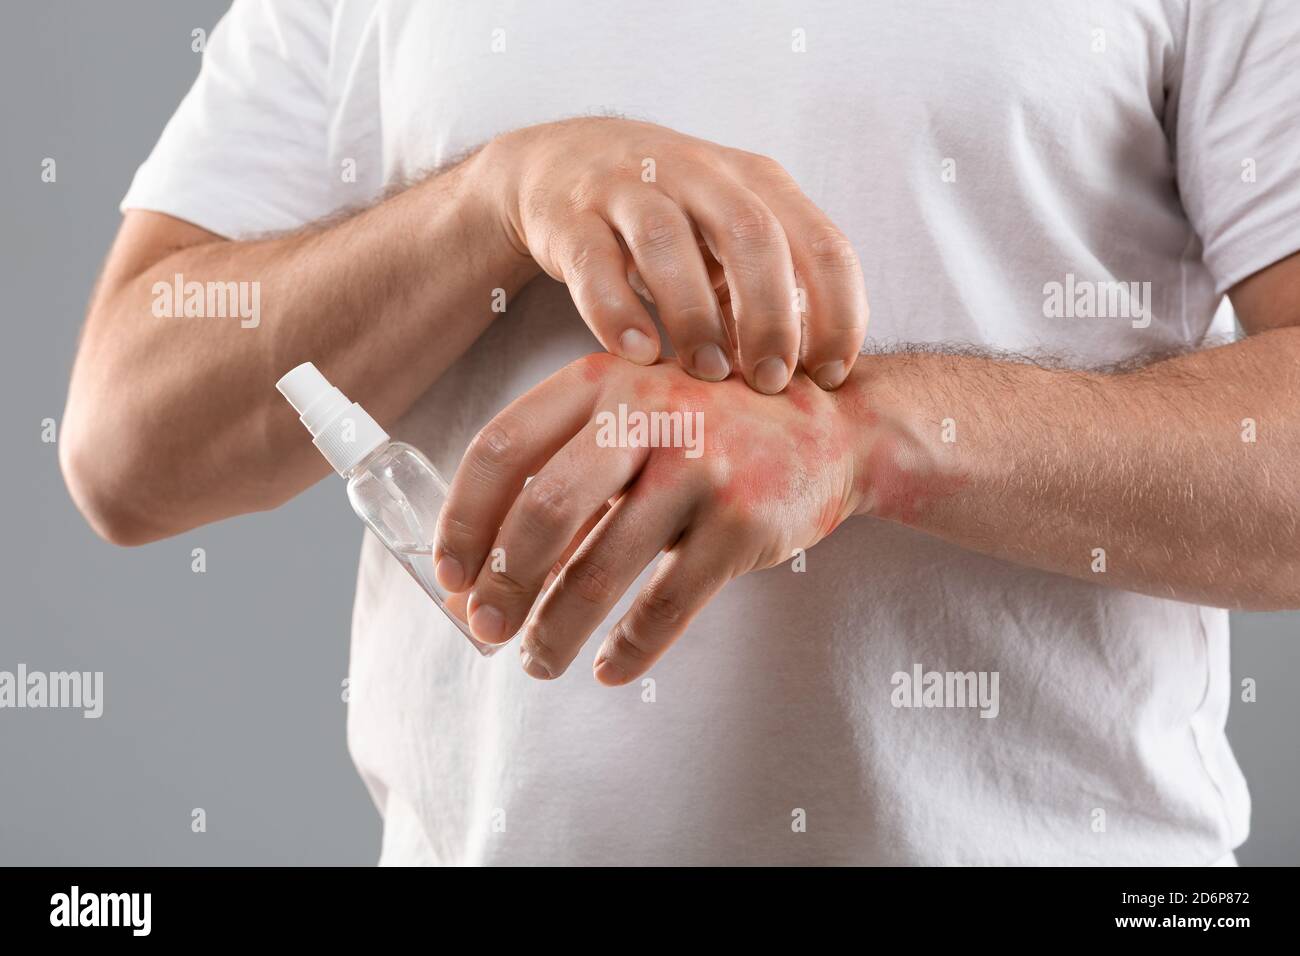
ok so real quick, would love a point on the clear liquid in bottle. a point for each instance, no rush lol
(394, 489)
(398, 493)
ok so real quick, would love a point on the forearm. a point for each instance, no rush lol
(1149, 474)
(174, 422)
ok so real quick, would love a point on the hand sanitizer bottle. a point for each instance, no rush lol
(394, 489)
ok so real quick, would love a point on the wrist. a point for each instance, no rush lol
(906, 462)
(495, 187)
(486, 184)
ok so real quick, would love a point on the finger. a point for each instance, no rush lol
(569, 489)
(581, 536)
(666, 254)
(594, 267)
(556, 568)
(513, 445)
(828, 270)
(457, 604)
(687, 578)
(746, 237)
(637, 527)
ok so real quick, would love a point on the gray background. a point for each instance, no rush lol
(223, 689)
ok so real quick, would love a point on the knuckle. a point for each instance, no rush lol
(777, 328)
(627, 166)
(702, 316)
(754, 227)
(656, 233)
(545, 504)
(767, 166)
(494, 445)
(661, 610)
(584, 195)
(695, 153)
(845, 326)
(623, 646)
(594, 366)
(535, 644)
(849, 325)
(758, 163)
(740, 525)
(832, 253)
(536, 207)
(586, 262)
(590, 582)
(455, 536)
(504, 586)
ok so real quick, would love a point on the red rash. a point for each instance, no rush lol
(593, 367)
(764, 476)
(898, 481)
(767, 470)
(661, 471)
(766, 465)
(799, 394)
(687, 396)
(776, 460)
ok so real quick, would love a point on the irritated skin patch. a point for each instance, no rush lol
(900, 482)
(800, 462)
(595, 368)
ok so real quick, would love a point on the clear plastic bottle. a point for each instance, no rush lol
(393, 488)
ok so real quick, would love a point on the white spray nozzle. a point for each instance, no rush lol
(302, 386)
(342, 431)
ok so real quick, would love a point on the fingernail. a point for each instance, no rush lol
(711, 363)
(488, 624)
(533, 667)
(637, 347)
(771, 375)
(830, 375)
(607, 672)
(449, 572)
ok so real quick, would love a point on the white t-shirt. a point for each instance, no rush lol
(976, 154)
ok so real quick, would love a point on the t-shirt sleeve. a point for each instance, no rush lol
(246, 151)
(1236, 133)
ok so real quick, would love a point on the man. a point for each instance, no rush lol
(1008, 644)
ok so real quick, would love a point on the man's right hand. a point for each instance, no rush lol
(720, 239)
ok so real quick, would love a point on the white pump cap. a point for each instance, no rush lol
(342, 430)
